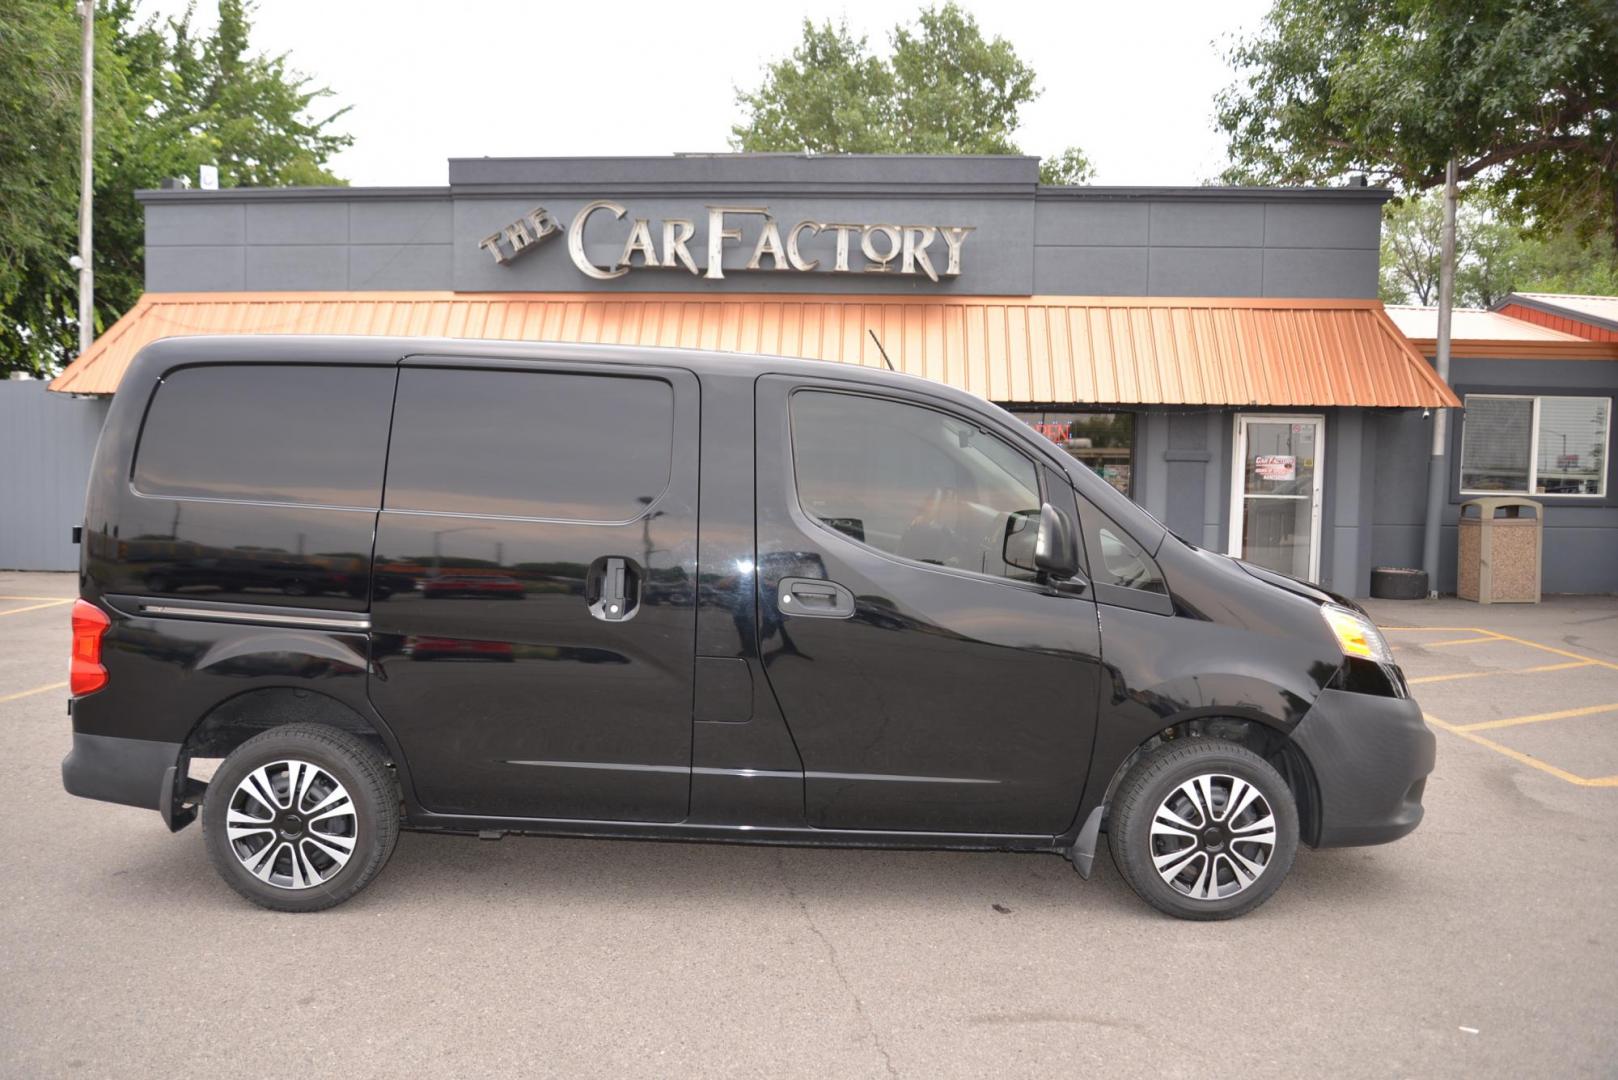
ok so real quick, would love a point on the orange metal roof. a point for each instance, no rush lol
(1475, 332)
(1594, 318)
(1600, 311)
(1046, 350)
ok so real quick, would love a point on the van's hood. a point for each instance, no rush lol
(1297, 586)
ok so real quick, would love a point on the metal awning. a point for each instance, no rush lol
(1036, 350)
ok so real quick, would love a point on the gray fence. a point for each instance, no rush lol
(46, 442)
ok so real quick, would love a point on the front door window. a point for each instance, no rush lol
(1275, 510)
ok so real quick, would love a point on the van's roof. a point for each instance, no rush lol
(338, 349)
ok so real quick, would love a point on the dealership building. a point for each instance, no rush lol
(1217, 353)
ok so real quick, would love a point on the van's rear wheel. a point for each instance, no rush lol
(301, 817)
(1203, 829)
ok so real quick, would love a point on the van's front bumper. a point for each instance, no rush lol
(133, 772)
(1371, 756)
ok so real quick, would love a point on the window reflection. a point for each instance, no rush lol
(911, 481)
(1522, 444)
(1104, 441)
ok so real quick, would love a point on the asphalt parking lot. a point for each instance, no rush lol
(1483, 944)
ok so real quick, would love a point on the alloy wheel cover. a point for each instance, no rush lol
(1212, 837)
(292, 824)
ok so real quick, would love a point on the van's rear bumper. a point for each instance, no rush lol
(133, 772)
(1371, 756)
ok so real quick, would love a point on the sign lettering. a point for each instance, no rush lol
(902, 250)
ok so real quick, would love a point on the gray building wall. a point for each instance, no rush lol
(1184, 463)
(1026, 240)
(46, 443)
(1581, 534)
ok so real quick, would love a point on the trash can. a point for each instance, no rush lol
(1499, 550)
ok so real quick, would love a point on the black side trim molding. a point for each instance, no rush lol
(258, 614)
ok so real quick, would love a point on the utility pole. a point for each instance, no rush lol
(87, 322)
(1437, 471)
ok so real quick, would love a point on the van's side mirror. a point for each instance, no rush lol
(1056, 550)
(1041, 541)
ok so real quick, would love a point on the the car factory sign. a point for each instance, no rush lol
(805, 247)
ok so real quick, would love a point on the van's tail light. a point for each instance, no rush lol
(89, 624)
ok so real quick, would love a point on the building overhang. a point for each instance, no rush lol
(1103, 351)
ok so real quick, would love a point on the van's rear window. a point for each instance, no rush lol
(281, 433)
(536, 444)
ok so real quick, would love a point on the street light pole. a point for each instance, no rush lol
(87, 325)
(1437, 472)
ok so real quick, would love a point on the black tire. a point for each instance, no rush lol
(1159, 776)
(1398, 583)
(372, 793)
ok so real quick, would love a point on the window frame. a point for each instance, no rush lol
(802, 512)
(1536, 395)
(1105, 592)
(1021, 410)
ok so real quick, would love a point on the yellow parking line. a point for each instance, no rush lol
(1501, 671)
(1441, 629)
(35, 607)
(1564, 714)
(1517, 755)
(35, 690)
(1558, 652)
(1460, 641)
(1497, 636)
(33, 598)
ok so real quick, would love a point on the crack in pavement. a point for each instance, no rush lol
(836, 966)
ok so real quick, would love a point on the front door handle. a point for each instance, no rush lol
(814, 597)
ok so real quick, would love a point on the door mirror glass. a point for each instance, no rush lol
(1022, 539)
(1055, 552)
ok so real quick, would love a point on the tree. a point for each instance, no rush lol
(1411, 231)
(830, 97)
(1561, 262)
(1523, 93)
(1069, 167)
(39, 168)
(943, 89)
(168, 99)
(1493, 257)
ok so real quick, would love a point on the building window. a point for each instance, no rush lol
(1523, 444)
(1104, 441)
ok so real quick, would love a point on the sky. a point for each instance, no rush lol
(1133, 85)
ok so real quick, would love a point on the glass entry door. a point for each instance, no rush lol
(1275, 493)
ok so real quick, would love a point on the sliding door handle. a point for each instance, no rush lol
(814, 597)
(612, 588)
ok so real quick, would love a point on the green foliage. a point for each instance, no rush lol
(1563, 263)
(1493, 257)
(956, 93)
(168, 100)
(39, 171)
(942, 89)
(830, 97)
(1068, 168)
(1523, 93)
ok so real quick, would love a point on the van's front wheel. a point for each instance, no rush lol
(301, 817)
(1203, 829)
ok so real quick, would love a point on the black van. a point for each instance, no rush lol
(601, 591)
